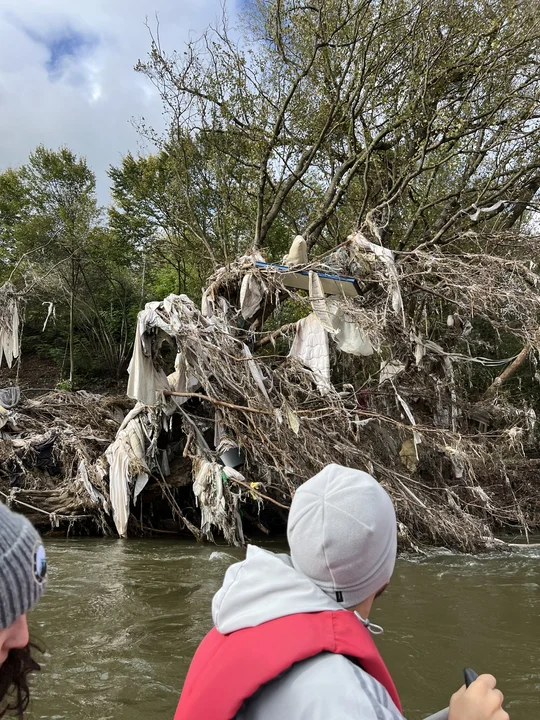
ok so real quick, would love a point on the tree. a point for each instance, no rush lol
(180, 210)
(61, 213)
(417, 117)
(152, 213)
(13, 207)
(54, 246)
(107, 303)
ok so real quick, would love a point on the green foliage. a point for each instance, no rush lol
(415, 121)
(13, 205)
(322, 117)
(156, 214)
(55, 247)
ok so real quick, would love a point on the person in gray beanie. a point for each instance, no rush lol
(292, 636)
(23, 576)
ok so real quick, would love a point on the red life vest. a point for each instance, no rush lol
(228, 669)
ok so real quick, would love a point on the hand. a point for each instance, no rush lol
(480, 701)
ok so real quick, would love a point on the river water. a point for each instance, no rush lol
(121, 620)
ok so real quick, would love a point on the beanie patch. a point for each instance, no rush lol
(23, 566)
(40, 563)
(342, 534)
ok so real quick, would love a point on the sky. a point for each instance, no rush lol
(67, 78)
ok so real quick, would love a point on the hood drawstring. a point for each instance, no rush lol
(372, 627)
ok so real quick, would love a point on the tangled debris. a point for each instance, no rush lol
(51, 465)
(51, 447)
(392, 363)
(387, 366)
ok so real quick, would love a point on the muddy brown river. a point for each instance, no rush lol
(121, 620)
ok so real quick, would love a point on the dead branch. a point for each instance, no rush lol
(511, 369)
(214, 401)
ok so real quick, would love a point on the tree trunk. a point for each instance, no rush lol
(71, 354)
(71, 323)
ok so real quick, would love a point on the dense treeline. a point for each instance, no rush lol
(417, 121)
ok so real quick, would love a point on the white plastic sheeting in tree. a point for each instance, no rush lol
(311, 346)
(252, 295)
(146, 381)
(298, 253)
(127, 465)
(9, 325)
(386, 257)
(349, 336)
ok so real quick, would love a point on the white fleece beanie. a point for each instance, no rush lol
(342, 534)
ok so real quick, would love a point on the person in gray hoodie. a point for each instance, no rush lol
(343, 541)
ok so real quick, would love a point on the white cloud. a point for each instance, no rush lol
(67, 78)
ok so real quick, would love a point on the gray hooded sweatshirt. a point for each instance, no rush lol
(265, 586)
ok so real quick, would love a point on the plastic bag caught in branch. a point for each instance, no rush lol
(9, 324)
(390, 370)
(252, 294)
(311, 346)
(318, 302)
(298, 254)
(386, 257)
(349, 336)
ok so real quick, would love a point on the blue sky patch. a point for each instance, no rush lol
(68, 44)
(62, 44)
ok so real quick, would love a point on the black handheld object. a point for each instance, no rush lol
(470, 676)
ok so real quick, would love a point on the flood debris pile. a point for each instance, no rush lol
(387, 362)
(51, 458)
(52, 466)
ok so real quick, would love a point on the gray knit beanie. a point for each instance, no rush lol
(342, 534)
(23, 567)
